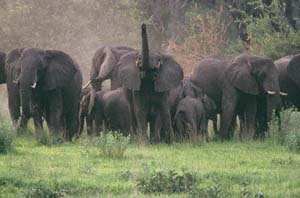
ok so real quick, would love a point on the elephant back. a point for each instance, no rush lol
(2, 67)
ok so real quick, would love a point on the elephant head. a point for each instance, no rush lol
(145, 67)
(209, 106)
(293, 69)
(43, 70)
(256, 75)
(2, 67)
(190, 89)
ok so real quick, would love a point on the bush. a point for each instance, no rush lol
(6, 137)
(166, 182)
(41, 190)
(289, 134)
(293, 140)
(47, 139)
(112, 144)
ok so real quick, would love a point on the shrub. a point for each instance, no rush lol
(47, 139)
(112, 144)
(293, 140)
(6, 137)
(207, 36)
(42, 190)
(166, 182)
(289, 134)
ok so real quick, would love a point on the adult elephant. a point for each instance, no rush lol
(289, 79)
(236, 86)
(147, 78)
(50, 84)
(104, 65)
(2, 67)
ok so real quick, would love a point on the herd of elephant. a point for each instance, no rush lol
(147, 87)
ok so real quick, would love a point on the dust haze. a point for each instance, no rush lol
(77, 27)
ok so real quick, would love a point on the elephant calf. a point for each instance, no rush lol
(108, 109)
(191, 118)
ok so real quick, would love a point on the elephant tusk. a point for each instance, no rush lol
(283, 94)
(271, 92)
(87, 84)
(34, 85)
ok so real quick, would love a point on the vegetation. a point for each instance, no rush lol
(215, 170)
(6, 137)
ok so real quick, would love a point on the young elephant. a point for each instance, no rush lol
(105, 107)
(191, 118)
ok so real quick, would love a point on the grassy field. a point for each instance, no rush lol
(76, 170)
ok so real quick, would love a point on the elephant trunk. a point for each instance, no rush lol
(25, 102)
(145, 48)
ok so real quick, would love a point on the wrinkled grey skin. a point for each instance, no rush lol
(104, 66)
(187, 88)
(12, 71)
(289, 80)
(50, 85)
(110, 108)
(147, 78)
(191, 118)
(2, 67)
(236, 85)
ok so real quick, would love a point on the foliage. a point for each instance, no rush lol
(48, 139)
(167, 182)
(6, 136)
(41, 190)
(293, 140)
(112, 144)
(288, 134)
(268, 31)
(208, 36)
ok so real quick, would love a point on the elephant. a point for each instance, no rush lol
(236, 85)
(188, 88)
(191, 118)
(50, 84)
(2, 67)
(110, 108)
(147, 77)
(289, 80)
(104, 65)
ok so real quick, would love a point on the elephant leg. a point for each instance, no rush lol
(166, 120)
(203, 129)
(155, 129)
(229, 103)
(81, 124)
(38, 125)
(90, 125)
(54, 113)
(14, 105)
(250, 118)
(141, 117)
(23, 124)
(215, 124)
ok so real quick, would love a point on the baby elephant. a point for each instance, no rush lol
(192, 115)
(105, 110)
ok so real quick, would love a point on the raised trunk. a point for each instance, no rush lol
(145, 48)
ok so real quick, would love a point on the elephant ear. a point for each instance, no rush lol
(239, 75)
(170, 74)
(129, 73)
(293, 69)
(104, 63)
(60, 69)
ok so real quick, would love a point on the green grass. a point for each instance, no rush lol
(76, 170)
